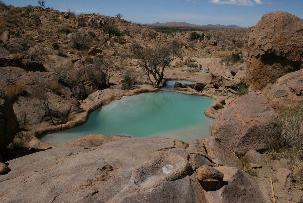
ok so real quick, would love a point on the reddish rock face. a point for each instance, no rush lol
(275, 47)
(287, 92)
(248, 123)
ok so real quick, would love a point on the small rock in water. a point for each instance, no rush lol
(167, 169)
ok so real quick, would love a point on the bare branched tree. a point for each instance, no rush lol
(41, 3)
(154, 60)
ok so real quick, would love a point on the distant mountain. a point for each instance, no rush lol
(189, 25)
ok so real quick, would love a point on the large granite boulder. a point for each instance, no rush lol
(240, 188)
(275, 48)
(287, 91)
(248, 123)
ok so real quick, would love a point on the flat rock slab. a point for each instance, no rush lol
(128, 170)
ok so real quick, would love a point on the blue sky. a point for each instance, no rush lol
(236, 12)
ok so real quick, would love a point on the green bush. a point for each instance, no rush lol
(233, 59)
(65, 29)
(55, 46)
(196, 36)
(112, 30)
(15, 90)
(240, 88)
(128, 81)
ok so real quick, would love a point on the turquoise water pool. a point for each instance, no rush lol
(164, 113)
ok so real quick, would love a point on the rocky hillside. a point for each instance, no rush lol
(269, 122)
(51, 61)
(52, 76)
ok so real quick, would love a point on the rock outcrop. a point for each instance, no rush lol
(275, 47)
(248, 123)
(8, 127)
(287, 91)
(124, 170)
(8, 122)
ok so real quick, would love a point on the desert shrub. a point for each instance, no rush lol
(92, 34)
(196, 36)
(65, 29)
(241, 88)
(54, 86)
(128, 81)
(294, 157)
(55, 46)
(119, 16)
(15, 90)
(292, 119)
(112, 30)
(79, 40)
(81, 22)
(35, 19)
(189, 62)
(233, 58)
(154, 60)
(41, 3)
(2, 4)
(69, 14)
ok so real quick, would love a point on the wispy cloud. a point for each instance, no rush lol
(238, 2)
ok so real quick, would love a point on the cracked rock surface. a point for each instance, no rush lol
(119, 170)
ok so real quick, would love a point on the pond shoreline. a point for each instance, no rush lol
(104, 97)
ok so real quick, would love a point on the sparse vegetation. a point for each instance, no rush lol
(294, 157)
(241, 88)
(233, 58)
(292, 123)
(54, 86)
(196, 36)
(79, 40)
(2, 4)
(128, 81)
(112, 30)
(55, 46)
(41, 3)
(154, 60)
(119, 15)
(65, 29)
(15, 90)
